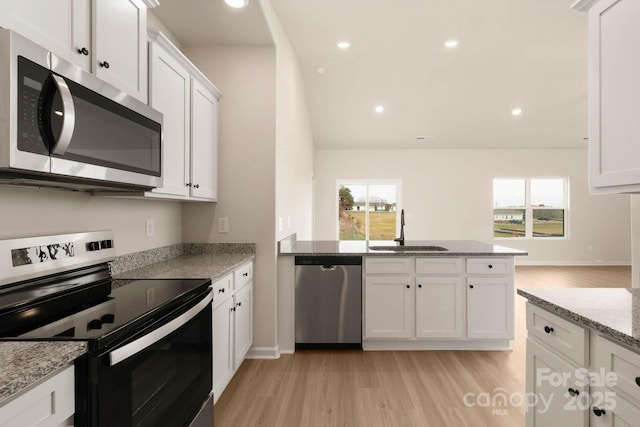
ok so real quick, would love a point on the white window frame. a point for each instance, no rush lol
(367, 182)
(528, 209)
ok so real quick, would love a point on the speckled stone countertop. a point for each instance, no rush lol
(24, 363)
(208, 266)
(363, 247)
(615, 312)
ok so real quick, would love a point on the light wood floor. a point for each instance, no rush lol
(396, 388)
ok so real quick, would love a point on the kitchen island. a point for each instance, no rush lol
(589, 338)
(451, 294)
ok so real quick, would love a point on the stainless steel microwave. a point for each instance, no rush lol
(60, 126)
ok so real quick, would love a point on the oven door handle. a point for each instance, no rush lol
(134, 347)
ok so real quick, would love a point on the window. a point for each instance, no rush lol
(368, 210)
(530, 207)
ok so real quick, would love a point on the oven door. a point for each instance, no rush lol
(161, 377)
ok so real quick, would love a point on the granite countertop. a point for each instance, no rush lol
(362, 247)
(205, 266)
(23, 363)
(615, 312)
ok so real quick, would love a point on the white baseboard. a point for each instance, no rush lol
(432, 344)
(263, 353)
(554, 263)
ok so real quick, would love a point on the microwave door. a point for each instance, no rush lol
(27, 149)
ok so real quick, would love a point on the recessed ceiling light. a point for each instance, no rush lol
(379, 108)
(237, 4)
(451, 43)
(321, 70)
(344, 44)
(516, 111)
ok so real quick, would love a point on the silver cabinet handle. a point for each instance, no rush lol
(68, 117)
(123, 353)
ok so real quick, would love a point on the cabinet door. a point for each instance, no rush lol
(439, 307)
(614, 119)
(120, 45)
(243, 323)
(204, 146)
(222, 346)
(610, 409)
(62, 26)
(169, 83)
(490, 307)
(49, 404)
(388, 307)
(562, 399)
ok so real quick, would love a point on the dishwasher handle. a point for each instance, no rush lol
(328, 267)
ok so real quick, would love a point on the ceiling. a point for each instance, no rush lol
(528, 54)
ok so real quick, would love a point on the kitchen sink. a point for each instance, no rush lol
(409, 248)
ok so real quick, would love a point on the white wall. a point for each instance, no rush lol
(635, 240)
(38, 212)
(294, 141)
(246, 176)
(447, 194)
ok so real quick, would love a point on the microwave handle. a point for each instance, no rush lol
(134, 347)
(68, 117)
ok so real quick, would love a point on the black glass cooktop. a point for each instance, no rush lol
(96, 308)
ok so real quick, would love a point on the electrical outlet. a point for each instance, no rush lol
(223, 225)
(149, 227)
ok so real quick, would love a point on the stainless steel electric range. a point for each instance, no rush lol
(149, 361)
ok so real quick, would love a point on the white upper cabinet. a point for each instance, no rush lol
(120, 45)
(189, 104)
(62, 26)
(107, 38)
(169, 93)
(614, 119)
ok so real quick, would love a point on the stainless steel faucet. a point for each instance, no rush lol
(400, 239)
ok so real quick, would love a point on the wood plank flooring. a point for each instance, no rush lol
(397, 388)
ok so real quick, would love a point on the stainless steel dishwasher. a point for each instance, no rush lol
(328, 302)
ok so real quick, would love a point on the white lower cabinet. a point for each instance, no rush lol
(422, 302)
(232, 326)
(48, 404)
(563, 358)
(562, 397)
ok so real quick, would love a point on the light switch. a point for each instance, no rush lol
(223, 225)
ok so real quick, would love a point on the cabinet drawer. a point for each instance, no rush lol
(48, 404)
(443, 265)
(490, 265)
(559, 334)
(391, 265)
(243, 275)
(624, 363)
(222, 289)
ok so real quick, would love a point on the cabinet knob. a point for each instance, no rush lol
(233, 309)
(104, 64)
(490, 266)
(638, 381)
(239, 304)
(573, 392)
(420, 286)
(548, 329)
(245, 274)
(221, 290)
(471, 286)
(196, 186)
(83, 51)
(188, 184)
(408, 286)
(598, 412)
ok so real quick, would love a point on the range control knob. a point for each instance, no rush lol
(94, 324)
(108, 318)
